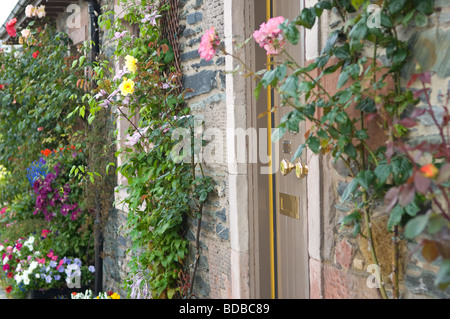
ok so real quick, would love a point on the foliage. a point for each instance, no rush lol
(35, 102)
(40, 151)
(367, 90)
(162, 190)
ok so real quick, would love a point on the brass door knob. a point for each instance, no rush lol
(301, 170)
(286, 167)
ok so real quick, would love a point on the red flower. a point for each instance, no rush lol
(40, 128)
(46, 152)
(10, 27)
(10, 275)
(8, 289)
(1, 86)
(35, 54)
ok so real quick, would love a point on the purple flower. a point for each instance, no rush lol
(119, 35)
(132, 140)
(151, 17)
(91, 269)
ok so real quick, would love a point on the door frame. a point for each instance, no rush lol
(239, 22)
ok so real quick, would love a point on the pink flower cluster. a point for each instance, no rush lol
(208, 44)
(270, 37)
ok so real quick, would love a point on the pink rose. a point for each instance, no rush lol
(270, 37)
(208, 44)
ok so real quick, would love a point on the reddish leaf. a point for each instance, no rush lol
(413, 79)
(421, 183)
(406, 194)
(417, 112)
(430, 251)
(391, 198)
(425, 77)
(407, 122)
(444, 174)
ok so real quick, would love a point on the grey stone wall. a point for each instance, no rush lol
(207, 102)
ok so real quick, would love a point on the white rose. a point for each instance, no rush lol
(40, 11)
(26, 33)
(30, 11)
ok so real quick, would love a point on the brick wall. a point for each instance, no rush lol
(342, 270)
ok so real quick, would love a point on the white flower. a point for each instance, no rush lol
(30, 11)
(40, 11)
(29, 241)
(26, 280)
(5, 260)
(26, 33)
(33, 265)
(2, 247)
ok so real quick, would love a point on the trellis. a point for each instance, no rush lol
(169, 30)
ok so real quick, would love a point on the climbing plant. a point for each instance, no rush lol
(163, 187)
(366, 55)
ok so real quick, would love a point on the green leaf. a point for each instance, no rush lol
(314, 144)
(357, 3)
(342, 52)
(396, 5)
(395, 217)
(351, 218)
(362, 134)
(298, 152)
(290, 31)
(269, 78)
(307, 18)
(351, 187)
(82, 59)
(367, 105)
(289, 87)
(343, 78)
(365, 179)
(442, 279)
(416, 226)
(424, 6)
(421, 20)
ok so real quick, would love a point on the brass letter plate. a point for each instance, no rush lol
(289, 206)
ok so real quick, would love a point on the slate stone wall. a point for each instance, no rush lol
(207, 102)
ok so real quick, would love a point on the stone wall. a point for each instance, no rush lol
(207, 102)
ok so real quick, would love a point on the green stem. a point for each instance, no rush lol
(372, 248)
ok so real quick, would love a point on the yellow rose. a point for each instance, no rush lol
(130, 62)
(126, 87)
